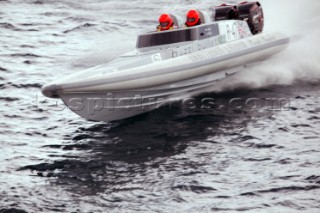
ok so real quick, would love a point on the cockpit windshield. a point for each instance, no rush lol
(178, 35)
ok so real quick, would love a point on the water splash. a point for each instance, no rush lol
(300, 61)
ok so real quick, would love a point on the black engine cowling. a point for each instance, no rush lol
(225, 12)
(249, 11)
(252, 13)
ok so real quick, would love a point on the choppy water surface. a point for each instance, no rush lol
(253, 156)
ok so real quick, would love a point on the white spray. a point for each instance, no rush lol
(300, 61)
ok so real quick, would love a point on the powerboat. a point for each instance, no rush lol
(168, 65)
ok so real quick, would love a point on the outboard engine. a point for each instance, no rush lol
(248, 11)
(225, 12)
(252, 13)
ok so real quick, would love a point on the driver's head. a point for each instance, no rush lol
(193, 18)
(165, 22)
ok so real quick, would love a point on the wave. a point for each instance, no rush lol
(80, 27)
(25, 55)
(290, 188)
(3, 69)
(35, 85)
(12, 210)
(9, 99)
(6, 25)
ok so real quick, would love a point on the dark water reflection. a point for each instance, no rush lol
(113, 155)
(171, 157)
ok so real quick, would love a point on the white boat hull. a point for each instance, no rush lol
(119, 94)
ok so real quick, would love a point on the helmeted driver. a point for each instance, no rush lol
(193, 18)
(165, 22)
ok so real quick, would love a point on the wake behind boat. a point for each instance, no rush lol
(169, 64)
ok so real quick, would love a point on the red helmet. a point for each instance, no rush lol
(165, 21)
(193, 18)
